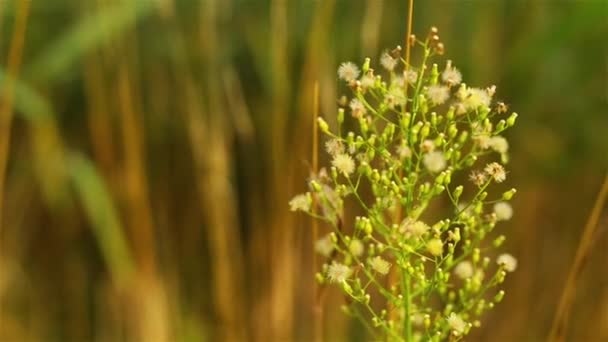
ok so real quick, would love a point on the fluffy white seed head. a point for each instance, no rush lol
(324, 246)
(380, 265)
(301, 202)
(464, 269)
(456, 323)
(344, 163)
(438, 94)
(507, 261)
(434, 161)
(337, 272)
(503, 211)
(348, 71)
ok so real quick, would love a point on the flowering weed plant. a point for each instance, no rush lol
(414, 158)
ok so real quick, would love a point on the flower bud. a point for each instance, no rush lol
(340, 116)
(323, 126)
(458, 192)
(511, 120)
(508, 194)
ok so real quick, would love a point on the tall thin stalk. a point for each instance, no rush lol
(560, 322)
(318, 300)
(15, 55)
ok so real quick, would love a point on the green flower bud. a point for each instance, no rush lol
(450, 114)
(511, 120)
(508, 194)
(323, 126)
(424, 132)
(434, 119)
(499, 296)
(464, 135)
(452, 131)
(434, 74)
(340, 116)
(365, 67)
(458, 192)
(499, 241)
(501, 125)
(315, 186)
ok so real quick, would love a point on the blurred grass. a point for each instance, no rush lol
(156, 143)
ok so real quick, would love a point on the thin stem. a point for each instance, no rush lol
(560, 323)
(317, 307)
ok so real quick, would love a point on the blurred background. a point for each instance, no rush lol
(154, 144)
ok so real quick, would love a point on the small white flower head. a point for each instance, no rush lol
(356, 247)
(456, 323)
(438, 94)
(338, 272)
(464, 269)
(451, 75)
(368, 81)
(395, 97)
(404, 151)
(410, 76)
(344, 163)
(483, 141)
(410, 227)
(334, 147)
(499, 144)
(301, 202)
(478, 178)
(434, 161)
(427, 146)
(496, 171)
(380, 265)
(388, 62)
(324, 246)
(476, 98)
(435, 247)
(503, 211)
(357, 108)
(507, 261)
(348, 71)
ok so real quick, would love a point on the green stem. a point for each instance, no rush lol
(407, 321)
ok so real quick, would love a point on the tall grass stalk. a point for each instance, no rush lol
(559, 329)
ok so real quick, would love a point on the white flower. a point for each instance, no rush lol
(301, 202)
(464, 269)
(434, 161)
(324, 246)
(427, 146)
(403, 151)
(410, 76)
(478, 178)
(503, 211)
(435, 247)
(456, 323)
(334, 147)
(338, 272)
(475, 98)
(388, 62)
(348, 71)
(483, 140)
(344, 163)
(499, 144)
(356, 247)
(368, 81)
(507, 261)
(496, 171)
(395, 97)
(438, 94)
(380, 265)
(357, 108)
(410, 227)
(451, 75)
